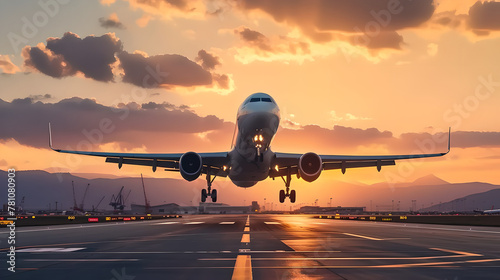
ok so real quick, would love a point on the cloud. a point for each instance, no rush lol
(153, 125)
(168, 9)
(485, 16)
(383, 40)
(468, 139)
(432, 49)
(143, 21)
(257, 46)
(107, 2)
(449, 19)
(96, 57)
(346, 117)
(46, 62)
(343, 139)
(165, 70)
(254, 38)
(163, 106)
(75, 120)
(320, 19)
(480, 18)
(349, 140)
(7, 66)
(223, 81)
(111, 22)
(92, 56)
(37, 97)
(208, 61)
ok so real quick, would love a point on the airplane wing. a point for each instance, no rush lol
(214, 162)
(286, 163)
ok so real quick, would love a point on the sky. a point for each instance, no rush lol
(363, 77)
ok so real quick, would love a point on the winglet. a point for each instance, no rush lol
(449, 138)
(50, 139)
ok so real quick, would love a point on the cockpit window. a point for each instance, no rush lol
(255, 99)
(266, 99)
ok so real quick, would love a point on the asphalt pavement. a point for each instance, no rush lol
(253, 247)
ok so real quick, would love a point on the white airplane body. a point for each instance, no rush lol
(251, 160)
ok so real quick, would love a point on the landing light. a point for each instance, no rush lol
(224, 168)
(261, 138)
(276, 168)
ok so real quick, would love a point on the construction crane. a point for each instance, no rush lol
(126, 198)
(94, 209)
(83, 198)
(75, 206)
(146, 202)
(117, 201)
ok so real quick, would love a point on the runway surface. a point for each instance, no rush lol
(253, 247)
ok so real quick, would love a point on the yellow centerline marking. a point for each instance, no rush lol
(242, 268)
(245, 238)
(243, 265)
(362, 236)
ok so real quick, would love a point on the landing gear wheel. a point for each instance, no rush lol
(203, 195)
(214, 195)
(282, 196)
(292, 196)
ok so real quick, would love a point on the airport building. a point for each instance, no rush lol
(205, 208)
(331, 210)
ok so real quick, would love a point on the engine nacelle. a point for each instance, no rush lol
(310, 166)
(190, 166)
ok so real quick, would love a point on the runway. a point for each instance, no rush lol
(253, 247)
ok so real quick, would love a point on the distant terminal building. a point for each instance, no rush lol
(170, 208)
(221, 208)
(331, 210)
(206, 208)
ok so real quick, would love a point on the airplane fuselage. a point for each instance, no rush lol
(257, 121)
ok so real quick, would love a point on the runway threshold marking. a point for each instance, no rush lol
(362, 236)
(226, 223)
(242, 268)
(166, 223)
(272, 223)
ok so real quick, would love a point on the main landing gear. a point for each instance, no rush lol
(287, 193)
(208, 191)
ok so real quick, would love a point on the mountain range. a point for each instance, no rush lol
(42, 189)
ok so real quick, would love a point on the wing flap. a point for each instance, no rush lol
(144, 162)
(356, 164)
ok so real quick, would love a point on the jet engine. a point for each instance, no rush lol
(310, 166)
(190, 166)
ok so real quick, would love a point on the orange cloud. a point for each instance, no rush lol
(7, 66)
(144, 20)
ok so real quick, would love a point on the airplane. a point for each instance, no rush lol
(251, 159)
(488, 212)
